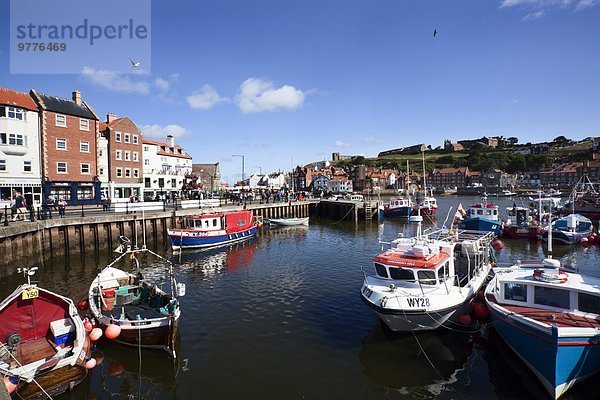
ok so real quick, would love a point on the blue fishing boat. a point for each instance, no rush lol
(550, 319)
(213, 229)
(398, 207)
(482, 217)
(571, 229)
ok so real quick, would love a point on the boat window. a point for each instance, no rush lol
(402, 274)
(426, 277)
(495, 212)
(198, 223)
(589, 303)
(443, 272)
(214, 222)
(515, 291)
(547, 296)
(381, 270)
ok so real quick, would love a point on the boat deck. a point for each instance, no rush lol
(551, 317)
(34, 350)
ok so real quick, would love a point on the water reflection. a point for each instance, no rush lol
(215, 261)
(423, 366)
(125, 372)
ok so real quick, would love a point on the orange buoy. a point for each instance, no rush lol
(497, 244)
(96, 334)
(87, 324)
(10, 385)
(112, 331)
(91, 363)
(465, 319)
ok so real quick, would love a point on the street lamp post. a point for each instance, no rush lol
(242, 156)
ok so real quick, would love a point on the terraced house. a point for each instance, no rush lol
(69, 130)
(20, 169)
(120, 158)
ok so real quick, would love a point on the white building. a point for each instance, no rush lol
(340, 184)
(277, 180)
(320, 182)
(103, 165)
(20, 167)
(165, 167)
(391, 180)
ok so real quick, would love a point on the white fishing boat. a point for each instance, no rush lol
(147, 316)
(426, 281)
(289, 221)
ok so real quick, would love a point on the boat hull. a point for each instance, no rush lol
(482, 224)
(407, 321)
(522, 232)
(289, 221)
(54, 383)
(558, 362)
(568, 238)
(156, 336)
(428, 210)
(189, 239)
(399, 212)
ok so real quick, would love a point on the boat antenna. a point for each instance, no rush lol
(424, 174)
(144, 228)
(550, 232)
(540, 207)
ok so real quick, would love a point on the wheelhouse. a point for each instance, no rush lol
(426, 276)
(488, 211)
(209, 222)
(399, 202)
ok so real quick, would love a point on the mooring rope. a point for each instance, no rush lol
(351, 208)
(21, 366)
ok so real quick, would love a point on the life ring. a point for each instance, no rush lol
(544, 276)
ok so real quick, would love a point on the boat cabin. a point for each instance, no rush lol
(432, 263)
(518, 216)
(399, 202)
(429, 202)
(482, 210)
(355, 197)
(547, 289)
(207, 222)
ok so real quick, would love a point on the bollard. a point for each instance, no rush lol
(31, 214)
(5, 215)
(82, 214)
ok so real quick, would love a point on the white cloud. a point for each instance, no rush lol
(584, 4)
(159, 131)
(340, 143)
(114, 81)
(162, 84)
(205, 98)
(257, 95)
(539, 8)
(533, 15)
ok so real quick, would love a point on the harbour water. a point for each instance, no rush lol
(280, 316)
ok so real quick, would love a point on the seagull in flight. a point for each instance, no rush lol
(434, 32)
(133, 63)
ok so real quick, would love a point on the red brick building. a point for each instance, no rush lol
(448, 177)
(124, 155)
(69, 131)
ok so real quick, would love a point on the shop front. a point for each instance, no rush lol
(74, 193)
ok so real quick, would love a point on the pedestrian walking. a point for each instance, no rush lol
(62, 207)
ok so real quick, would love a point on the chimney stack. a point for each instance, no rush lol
(77, 97)
(110, 117)
(171, 140)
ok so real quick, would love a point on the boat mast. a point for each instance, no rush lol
(424, 180)
(550, 232)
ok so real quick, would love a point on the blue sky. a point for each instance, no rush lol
(279, 81)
